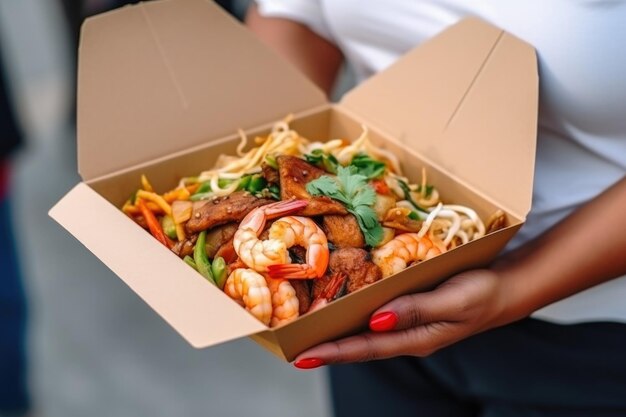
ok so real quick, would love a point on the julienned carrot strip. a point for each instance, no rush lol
(153, 224)
(177, 194)
(145, 184)
(157, 199)
(131, 210)
(192, 188)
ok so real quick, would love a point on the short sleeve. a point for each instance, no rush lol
(307, 12)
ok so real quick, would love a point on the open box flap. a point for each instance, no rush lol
(166, 75)
(193, 306)
(466, 100)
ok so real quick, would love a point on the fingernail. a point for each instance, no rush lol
(308, 363)
(383, 322)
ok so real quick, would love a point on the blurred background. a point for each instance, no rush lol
(92, 347)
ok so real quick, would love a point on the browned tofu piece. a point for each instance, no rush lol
(185, 247)
(295, 173)
(343, 231)
(232, 208)
(270, 174)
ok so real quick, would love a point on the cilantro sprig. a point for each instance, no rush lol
(326, 161)
(356, 194)
(367, 166)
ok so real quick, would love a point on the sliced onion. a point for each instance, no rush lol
(383, 204)
(398, 218)
(181, 211)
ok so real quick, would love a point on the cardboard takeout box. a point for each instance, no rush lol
(163, 86)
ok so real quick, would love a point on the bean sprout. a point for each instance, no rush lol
(455, 225)
(281, 141)
(363, 145)
(450, 223)
(458, 221)
(429, 219)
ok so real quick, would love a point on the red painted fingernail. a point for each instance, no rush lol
(383, 322)
(308, 363)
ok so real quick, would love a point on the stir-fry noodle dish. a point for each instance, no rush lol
(291, 224)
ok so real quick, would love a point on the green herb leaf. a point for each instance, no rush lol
(315, 157)
(324, 185)
(351, 181)
(256, 184)
(368, 222)
(367, 215)
(368, 167)
(330, 163)
(274, 191)
(428, 191)
(365, 196)
(356, 194)
(327, 162)
(205, 187)
(407, 196)
(223, 182)
(244, 182)
(329, 187)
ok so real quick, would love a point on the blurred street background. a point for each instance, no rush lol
(94, 348)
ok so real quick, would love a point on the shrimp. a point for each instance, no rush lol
(249, 289)
(396, 254)
(258, 254)
(285, 304)
(301, 231)
(335, 287)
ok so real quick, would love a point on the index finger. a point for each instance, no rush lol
(417, 341)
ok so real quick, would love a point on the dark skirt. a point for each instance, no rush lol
(529, 368)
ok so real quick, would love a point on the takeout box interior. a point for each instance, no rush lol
(163, 86)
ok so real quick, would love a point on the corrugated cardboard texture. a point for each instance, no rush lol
(467, 100)
(163, 76)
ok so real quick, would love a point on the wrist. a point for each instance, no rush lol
(515, 296)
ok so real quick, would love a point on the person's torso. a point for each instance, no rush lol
(581, 46)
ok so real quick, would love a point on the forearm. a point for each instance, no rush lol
(585, 249)
(316, 57)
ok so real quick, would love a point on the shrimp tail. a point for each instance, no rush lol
(293, 271)
(257, 218)
(333, 290)
(283, 207)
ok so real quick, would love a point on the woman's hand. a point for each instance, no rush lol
(583, 250)
(420, 324)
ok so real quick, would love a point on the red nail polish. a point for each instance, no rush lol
(308, 363)
(383, 322)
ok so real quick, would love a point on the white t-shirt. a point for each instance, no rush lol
(581, 46)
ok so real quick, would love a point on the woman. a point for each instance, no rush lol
(496, 361)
